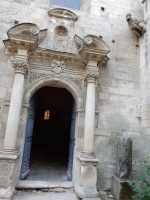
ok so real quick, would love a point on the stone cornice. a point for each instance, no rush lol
(46, 54)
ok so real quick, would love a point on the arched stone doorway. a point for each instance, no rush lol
(49, 139)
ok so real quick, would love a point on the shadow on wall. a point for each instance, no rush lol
(106, 148)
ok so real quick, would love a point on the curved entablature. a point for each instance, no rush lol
(24, 36)
(62, 13)
(92, 45)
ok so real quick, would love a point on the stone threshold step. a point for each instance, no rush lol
(43, 185)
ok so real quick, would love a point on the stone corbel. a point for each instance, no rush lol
(138, 27)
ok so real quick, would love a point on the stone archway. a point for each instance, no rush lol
(23, 46)
(78, 96)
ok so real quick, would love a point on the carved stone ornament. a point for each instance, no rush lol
(20, 66)
(139, 27)
(90, 41)
(40, 75)
(91, 77)
(62, 13)
(24, 35)
(58, 66)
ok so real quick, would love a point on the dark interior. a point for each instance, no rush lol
(50, 141)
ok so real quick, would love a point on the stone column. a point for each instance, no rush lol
(87, 173)
(92, 72)
(20, 65)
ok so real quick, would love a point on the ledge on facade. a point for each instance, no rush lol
(62, 13)
(24, 36)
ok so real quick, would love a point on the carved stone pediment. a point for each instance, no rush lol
(91, 46)
(90, 41)
(62, 13)
(138, 27)
(25, 35)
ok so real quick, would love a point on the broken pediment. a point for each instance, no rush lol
(90, 41)
(62, 13)
(25, 35)
(28, 30)
(91, 46)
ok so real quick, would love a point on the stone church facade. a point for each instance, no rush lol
(100, 58)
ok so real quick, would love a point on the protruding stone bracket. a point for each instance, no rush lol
(138, 27)
(24, 36)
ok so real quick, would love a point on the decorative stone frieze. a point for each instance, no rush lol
(138, 27)
(58, 66)
(20, 67)
(40, 75)
(62, 13)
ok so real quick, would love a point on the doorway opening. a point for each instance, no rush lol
(49, 142)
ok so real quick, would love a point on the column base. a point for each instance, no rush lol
(87, 154)
(8, 170)
(8, 151)
(86, 185)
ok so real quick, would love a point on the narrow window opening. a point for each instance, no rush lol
(47, 115)
(74, 4)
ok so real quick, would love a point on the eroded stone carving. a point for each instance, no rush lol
(124, 158)
(139, 27)
(91, 77)
(20, 67)
(90, 41)
(62, 13)
(77, 81)
(60, 42)
(58, 66)
(37, 75)
(25, 35)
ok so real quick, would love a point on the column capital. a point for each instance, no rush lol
(91, 77)
(92, 72)
(20, 66)
(20, 62)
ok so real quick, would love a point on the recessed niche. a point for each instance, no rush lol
(61, 30)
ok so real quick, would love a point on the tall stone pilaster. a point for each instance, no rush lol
(20, 65)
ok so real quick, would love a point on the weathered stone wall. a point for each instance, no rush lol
(118, 88)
